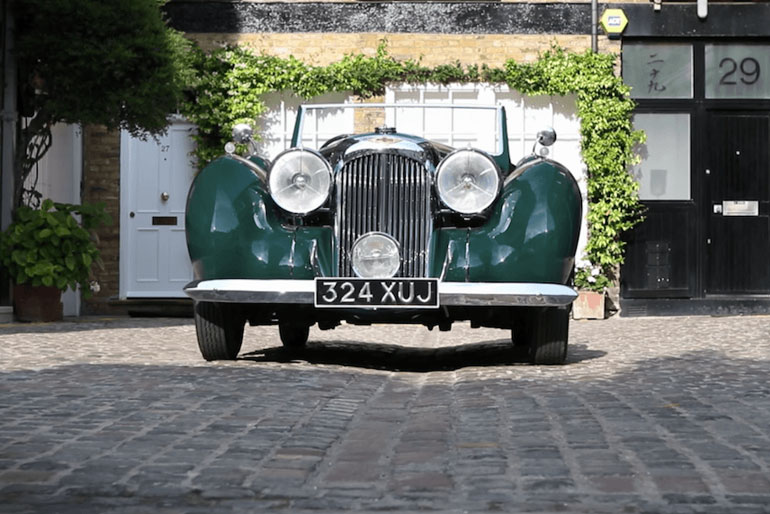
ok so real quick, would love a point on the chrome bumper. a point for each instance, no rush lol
(450, 293)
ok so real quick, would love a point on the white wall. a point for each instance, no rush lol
(59, 174)
(276, 126)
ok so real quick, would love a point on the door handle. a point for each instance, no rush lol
(717, 208)
(164, 196)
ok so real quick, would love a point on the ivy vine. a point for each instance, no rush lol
(230, 82)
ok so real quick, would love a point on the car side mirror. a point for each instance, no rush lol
(546, 137)
(242, 133)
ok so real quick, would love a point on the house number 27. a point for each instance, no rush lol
(748, 69)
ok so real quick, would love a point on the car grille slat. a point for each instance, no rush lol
(384, 192)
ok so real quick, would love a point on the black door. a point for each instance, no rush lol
(737, 200)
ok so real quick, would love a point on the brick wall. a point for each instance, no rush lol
(433, 49)
(101, 183)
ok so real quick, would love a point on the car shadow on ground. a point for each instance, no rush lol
(403, 358)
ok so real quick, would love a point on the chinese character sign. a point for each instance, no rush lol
(658, 70)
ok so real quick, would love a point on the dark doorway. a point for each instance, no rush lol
(736, 203)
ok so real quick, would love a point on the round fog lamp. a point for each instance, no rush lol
(375, 255)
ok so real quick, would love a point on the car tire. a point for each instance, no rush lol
(545, 332)
(220, 330)
(519, 333)
(293, 336)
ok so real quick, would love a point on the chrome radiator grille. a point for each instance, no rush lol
(388, 193)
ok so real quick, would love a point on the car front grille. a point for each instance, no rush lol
(390, 193)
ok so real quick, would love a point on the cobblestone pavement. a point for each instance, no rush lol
(649, 415)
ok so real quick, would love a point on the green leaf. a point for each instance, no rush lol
(19, 257)
(61, 283)
(42, 248)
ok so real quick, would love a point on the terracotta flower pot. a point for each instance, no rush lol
(37, 303)
(589, 305)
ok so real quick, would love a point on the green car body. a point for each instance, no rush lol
(508, 266)
(235, 230)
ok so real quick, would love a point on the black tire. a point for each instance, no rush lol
(520, 332)
(545, 332)
(293, 336)
(219, 327)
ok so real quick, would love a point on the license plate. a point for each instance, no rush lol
(377, 293)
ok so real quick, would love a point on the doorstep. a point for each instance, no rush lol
(709, 306)
(154, 307)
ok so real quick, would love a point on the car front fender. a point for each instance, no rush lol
(531, 235)
(234, 229)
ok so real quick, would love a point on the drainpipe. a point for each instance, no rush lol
(9, 115)
(7, 140)
(594, 26)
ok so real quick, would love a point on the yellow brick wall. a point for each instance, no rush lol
(101, 179)
(322, 48)
(366, 120)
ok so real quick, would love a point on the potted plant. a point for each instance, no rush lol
(47, 250)
(591, 284)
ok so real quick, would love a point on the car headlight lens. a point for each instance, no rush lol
(375, 255)
(468, 181)
(300, 180)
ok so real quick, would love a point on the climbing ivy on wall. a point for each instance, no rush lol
(607, 142)
(231, 81)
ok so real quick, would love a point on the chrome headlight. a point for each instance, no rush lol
(468, 181)
(300, 180)
(375, 255)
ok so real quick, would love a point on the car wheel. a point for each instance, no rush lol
(293, 336)
(545, 332)
(520, 332)
(219, 328)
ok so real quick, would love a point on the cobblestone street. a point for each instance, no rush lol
(648, 415)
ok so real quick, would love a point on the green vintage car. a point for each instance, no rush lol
(383, 227)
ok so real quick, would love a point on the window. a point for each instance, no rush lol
(664, 173)
(737, 71)
(658, 70)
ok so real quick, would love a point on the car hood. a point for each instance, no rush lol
(347, 147)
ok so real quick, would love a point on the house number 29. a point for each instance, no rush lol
(747, 70)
